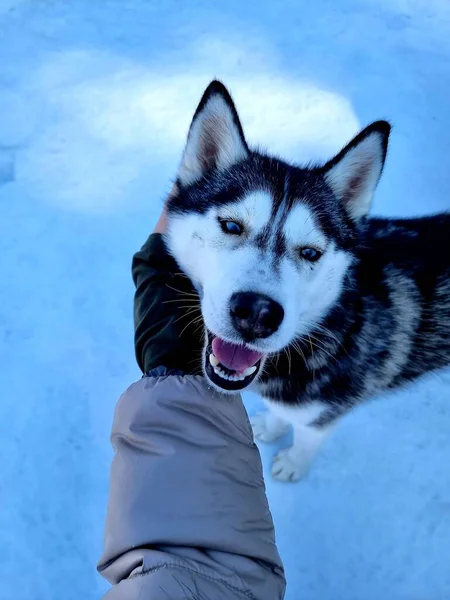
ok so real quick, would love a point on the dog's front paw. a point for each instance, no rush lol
(289, 466)
(266, 427)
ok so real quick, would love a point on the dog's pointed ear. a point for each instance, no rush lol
(353, 174)
(215, 138)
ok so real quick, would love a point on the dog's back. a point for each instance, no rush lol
(411, 257)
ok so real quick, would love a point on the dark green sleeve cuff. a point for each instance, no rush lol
(162, 338)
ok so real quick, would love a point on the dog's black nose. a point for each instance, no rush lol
(255, 315)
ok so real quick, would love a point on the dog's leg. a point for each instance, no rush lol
(267, 427)
(293, 463)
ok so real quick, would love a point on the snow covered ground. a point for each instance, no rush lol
(95, 100)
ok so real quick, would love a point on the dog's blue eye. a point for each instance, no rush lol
(231, 227)
(310, 254)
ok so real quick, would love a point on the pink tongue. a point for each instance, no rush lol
(236, 358)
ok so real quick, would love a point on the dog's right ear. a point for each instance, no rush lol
(215, 138)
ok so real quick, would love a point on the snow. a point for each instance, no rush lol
(95, 100)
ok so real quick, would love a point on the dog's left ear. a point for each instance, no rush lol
(353, 174)
(215, 139)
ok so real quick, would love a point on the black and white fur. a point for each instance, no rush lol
(371, 314)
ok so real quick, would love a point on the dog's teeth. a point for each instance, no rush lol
(233, 377)
(237, 377)
(220, 373)
(213, 360)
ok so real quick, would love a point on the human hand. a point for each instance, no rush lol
(167, 315)
(161, 225)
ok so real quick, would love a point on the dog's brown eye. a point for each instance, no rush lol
(311, 254)
(231, 227)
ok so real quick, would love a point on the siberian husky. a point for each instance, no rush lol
(302, 294)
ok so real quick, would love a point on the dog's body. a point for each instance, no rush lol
(302, 294)
(390, 325)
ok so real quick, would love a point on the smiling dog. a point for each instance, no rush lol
(302, 294)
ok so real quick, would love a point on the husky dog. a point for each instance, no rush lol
(301, 293)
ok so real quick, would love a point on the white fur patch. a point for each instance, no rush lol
(297, 415)
(253, 211)
(293, 463)
(301, 228)
(321, 287)
(267, 427)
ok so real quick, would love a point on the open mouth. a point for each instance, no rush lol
(231, 367)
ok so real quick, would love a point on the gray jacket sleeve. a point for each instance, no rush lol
(187, 515)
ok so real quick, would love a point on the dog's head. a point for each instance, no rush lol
(267, 244)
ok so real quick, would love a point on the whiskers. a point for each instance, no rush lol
(189, 303)
(314, 350)
(182, 292)
(296, 346)
(320, 347)
(287, 350)
(331, 336)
